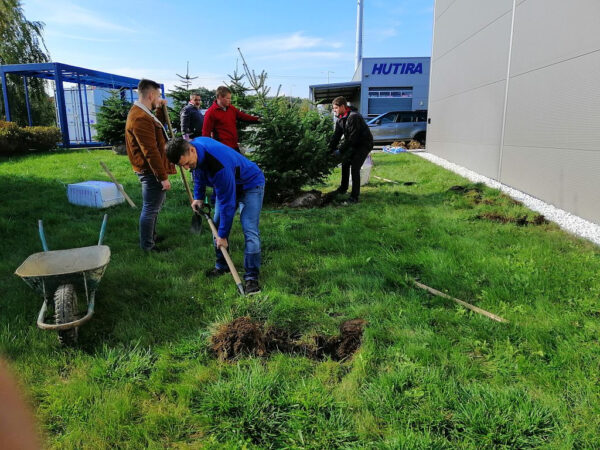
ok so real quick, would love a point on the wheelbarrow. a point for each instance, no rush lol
(59, 275)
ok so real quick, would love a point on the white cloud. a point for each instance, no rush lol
(79, 38)
(284, 43)
(72, 15)
(292, 56)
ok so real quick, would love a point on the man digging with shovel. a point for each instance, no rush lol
(236, 181)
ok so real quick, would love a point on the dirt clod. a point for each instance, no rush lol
(240, 337)
(244, 337)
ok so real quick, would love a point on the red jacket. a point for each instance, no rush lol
(220, 124)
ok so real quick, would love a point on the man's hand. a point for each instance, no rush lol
(197, 205)
(161, 102)
(222, 242)
(166, 185)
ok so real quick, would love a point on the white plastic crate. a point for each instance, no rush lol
(97, 194)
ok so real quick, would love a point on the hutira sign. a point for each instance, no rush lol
(397, 68)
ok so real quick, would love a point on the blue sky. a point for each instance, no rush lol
(297, 43)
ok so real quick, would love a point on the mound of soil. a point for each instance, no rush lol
(244, 337)
(240, 337)
(308, 199)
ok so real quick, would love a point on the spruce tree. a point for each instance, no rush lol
(181, 96)
(112, 117)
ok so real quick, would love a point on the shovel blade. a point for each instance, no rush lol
(196, 226)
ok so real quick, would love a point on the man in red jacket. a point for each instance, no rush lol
(221, 119)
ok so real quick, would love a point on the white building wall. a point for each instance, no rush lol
(540, 133)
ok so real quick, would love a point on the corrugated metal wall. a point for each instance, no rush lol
(540, 133)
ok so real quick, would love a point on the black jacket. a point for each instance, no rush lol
(191, 121)
(357, 136)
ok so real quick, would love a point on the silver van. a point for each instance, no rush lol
(399, 125)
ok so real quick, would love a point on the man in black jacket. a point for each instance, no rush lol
(191, 118)
(357, 143)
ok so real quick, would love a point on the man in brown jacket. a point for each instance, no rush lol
(145, 138)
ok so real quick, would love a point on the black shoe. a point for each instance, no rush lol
(251, 287)
(156, 249)
(340, 191)
(158, 239)
(214, 272)
(351, 200)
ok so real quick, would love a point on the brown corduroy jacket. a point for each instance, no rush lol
(145, 141)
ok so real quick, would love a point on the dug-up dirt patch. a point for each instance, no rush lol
(245, 337)
(522, 221)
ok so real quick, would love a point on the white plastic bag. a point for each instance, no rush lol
(365, 170)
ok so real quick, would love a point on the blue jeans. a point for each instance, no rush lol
(153, 198)
(250, 202)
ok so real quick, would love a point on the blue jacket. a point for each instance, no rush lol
(227, 172)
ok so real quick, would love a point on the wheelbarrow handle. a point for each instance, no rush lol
(102, 229)
(42, 235)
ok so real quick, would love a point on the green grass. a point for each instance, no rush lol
(430, 374)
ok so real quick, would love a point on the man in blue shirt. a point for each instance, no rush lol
(235, 181)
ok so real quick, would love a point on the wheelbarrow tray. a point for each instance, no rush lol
(63, 266)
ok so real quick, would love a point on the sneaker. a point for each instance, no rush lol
(251, 287)
(214, 272)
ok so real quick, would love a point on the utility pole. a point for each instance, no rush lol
(328, 72)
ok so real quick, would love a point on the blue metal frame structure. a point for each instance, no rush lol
(62, 73)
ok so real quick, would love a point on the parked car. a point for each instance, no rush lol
(399, 125)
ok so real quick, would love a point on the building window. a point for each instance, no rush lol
(390, 93)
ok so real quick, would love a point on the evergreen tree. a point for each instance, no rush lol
(112, 117)
(291, 146)
(22, 42)
(181, 96)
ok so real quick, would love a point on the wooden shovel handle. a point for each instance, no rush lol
(211, 224)
(168, 119)
(119, 187)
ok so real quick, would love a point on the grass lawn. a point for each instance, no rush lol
(429, 374)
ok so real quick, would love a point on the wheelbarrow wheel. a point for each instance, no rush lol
(65, 308)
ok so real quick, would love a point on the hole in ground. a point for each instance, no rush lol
(244, 337)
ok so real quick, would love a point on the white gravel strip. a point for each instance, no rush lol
(567, 221)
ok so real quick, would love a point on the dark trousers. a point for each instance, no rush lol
(153, 198)
(353, 163)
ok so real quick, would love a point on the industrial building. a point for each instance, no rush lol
(380, 85)
(515, 96)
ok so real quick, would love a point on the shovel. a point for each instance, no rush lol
(232, 269)
(196, 226)
(197, 221)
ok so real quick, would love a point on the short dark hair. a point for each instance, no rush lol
(194, 94)
(222, 91)
(176, 148)
(145, 85)
(340, 101)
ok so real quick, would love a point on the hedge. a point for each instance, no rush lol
(15, 139)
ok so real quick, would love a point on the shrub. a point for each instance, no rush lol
(42, 138)
(291, 146)
(112, 117)
(14, 139)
